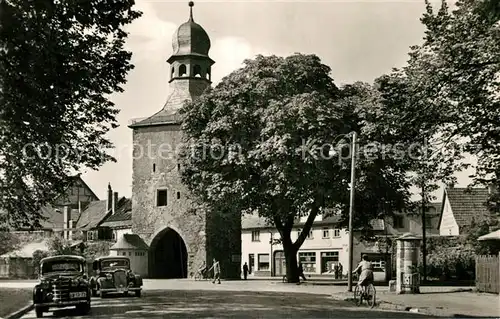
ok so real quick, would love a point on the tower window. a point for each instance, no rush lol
(173, 72)
(182, 70)
(208, 74)
(197, 71)
(178, 167)
(154, 168)
(178, 195)
(161, 198)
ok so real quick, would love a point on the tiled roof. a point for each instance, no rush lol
(161, 117)
(95, 213)
(253, 221)
(53, 218)
(130, 241)
(122, 216)
(467, 204)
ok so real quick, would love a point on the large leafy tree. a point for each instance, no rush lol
(454, 75)
(261, 140)
(59, 62)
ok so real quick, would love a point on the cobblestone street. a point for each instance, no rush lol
(225, 304)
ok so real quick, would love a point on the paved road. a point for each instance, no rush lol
(225, 304)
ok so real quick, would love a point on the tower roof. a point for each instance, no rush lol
(190, 38)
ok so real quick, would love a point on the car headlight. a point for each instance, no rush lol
(75, 282)
(109, 276)
(44, 285)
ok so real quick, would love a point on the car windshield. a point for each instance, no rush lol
(61, 266)
(114, 263)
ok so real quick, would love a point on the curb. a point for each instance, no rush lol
(384, 305)
(21, 312)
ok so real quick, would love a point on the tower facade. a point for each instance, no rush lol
(180, 235)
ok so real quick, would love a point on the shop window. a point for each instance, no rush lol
(263, 262)
(328, 261)
(256, 235)
(308, 260)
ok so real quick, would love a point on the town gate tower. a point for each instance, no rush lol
(180, 235)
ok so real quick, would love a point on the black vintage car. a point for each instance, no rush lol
(63, 283)
(113, 275)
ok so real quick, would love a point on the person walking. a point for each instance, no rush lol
(341, 275)
(301, 271)
(245, 271)
(336, 271)
(216, 268)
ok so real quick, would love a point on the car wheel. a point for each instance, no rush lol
(138, 293)
(39, 312)
(125, 294)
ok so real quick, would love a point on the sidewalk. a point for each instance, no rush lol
(439, 301)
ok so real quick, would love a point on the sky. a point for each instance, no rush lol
(359, 40)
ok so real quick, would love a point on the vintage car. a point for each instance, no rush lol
(63, 283)
(113, 275)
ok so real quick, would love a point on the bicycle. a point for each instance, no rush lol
(369, 294)
(200, 275)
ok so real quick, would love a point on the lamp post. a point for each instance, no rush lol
(351, 210)
(271, 238)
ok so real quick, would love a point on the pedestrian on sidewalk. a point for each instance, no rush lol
(216, 268)
(301, 271)
(336, 271)
(341, 275)
(245, 271)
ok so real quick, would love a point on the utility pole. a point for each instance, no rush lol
(424, 249)
(351, 212)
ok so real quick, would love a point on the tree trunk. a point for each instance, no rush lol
(292, 269)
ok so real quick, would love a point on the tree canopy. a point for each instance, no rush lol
(60, 61)
(260, 142)
(451, 84)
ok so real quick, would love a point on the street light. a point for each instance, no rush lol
(351, 208)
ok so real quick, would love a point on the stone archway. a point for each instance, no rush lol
(168, 256)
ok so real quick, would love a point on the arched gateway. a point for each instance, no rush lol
(168, 256)
(180, 235)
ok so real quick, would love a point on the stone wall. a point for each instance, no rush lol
(223, 231)
(154, 168)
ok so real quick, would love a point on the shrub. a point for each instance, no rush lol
(38, 255)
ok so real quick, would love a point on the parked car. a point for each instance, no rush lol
(63, 283)
(113, 275)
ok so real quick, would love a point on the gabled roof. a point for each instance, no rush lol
(77, 180)
(93, 216)
(130, 241)
(54, 217)
(466, 204)
(253, 221)
(122, 216)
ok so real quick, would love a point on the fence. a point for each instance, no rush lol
(488, 273)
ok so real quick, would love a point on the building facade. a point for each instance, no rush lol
(180, 235)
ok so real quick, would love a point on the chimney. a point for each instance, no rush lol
(109, 202)
(67, 218)
(492, 188)
(115, 202)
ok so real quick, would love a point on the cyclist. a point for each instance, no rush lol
(366, 276)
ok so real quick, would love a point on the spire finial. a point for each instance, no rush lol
(191, 4)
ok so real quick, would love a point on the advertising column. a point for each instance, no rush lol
(407, 261)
